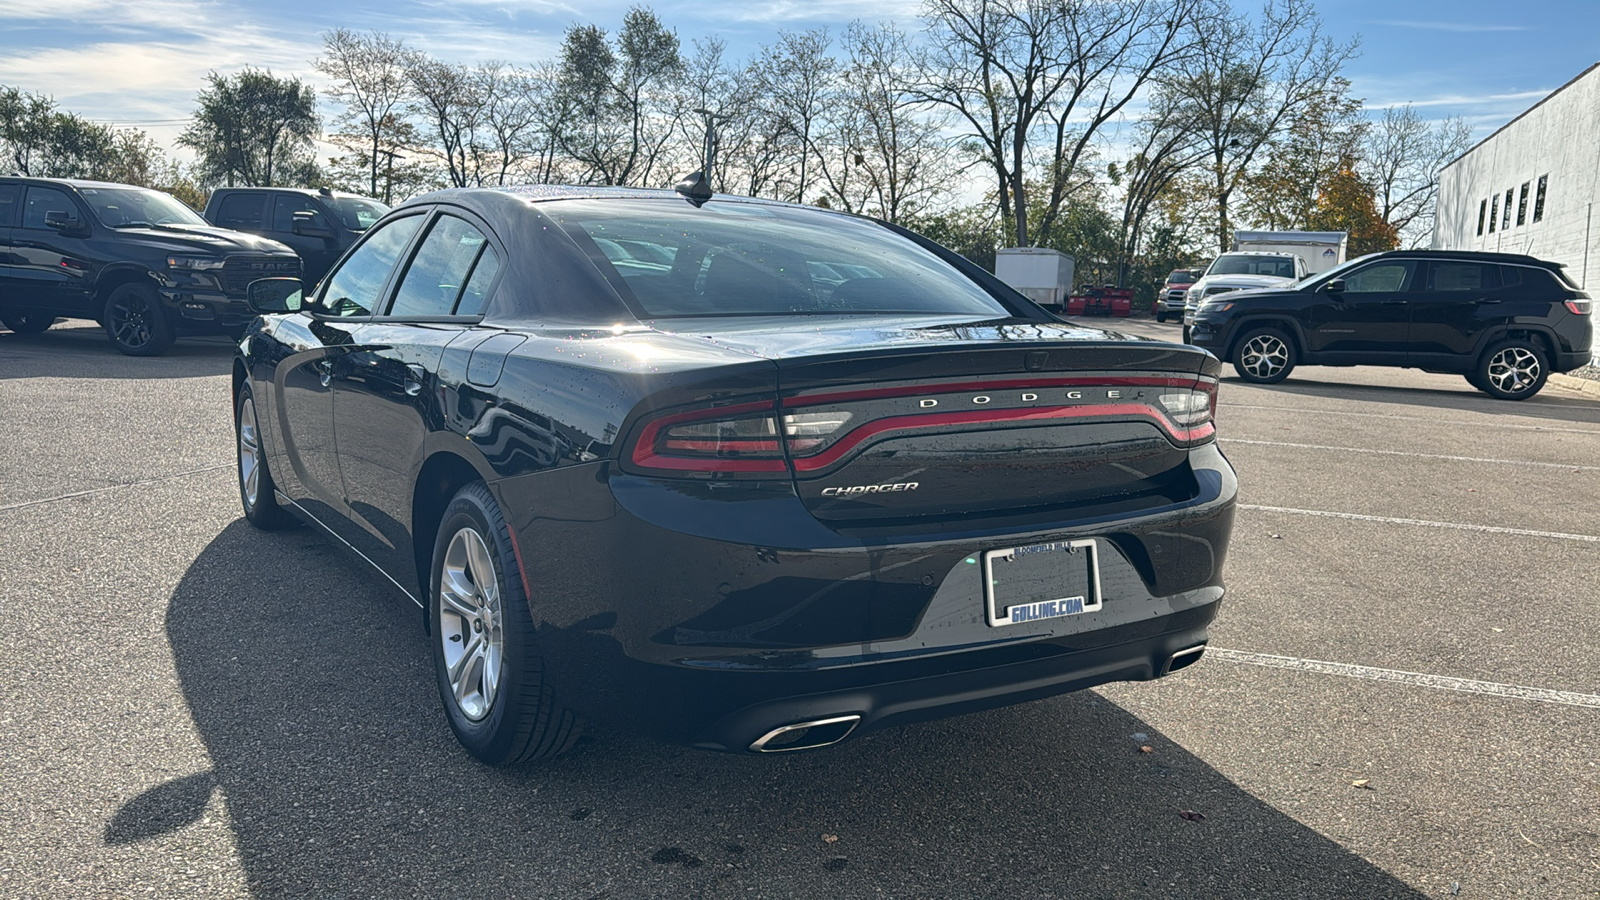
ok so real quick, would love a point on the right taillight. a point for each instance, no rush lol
(1191, 409)
(1580, 307)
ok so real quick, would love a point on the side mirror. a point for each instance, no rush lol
(1335, 286)
(274, 295)
(61, 220)
(304, 225)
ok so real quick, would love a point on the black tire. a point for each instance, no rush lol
(1512, 369)
(1161, 316)
(28, 322)
(134, 321)
(1264, 356)
(515, 718)
(262, 509)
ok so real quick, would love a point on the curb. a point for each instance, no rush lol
(1581, 385)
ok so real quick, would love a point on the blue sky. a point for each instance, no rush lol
(140, 62)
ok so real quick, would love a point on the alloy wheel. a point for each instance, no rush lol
(1513, 369)
(249, 453)
(1264, 355)
(471, 628)
(130, 321)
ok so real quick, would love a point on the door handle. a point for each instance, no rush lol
(414, 376)
(324, 369)
(1387, 302)
(1490, 300)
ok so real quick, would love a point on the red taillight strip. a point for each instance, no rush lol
(644, 449)
(1043, 413)
(1186, 381)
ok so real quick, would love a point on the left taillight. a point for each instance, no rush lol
(741, 439)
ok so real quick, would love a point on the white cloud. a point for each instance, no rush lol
(1451, 26)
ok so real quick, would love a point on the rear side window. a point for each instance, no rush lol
(1459, 276)
(284, 206)
(440, 269)
(43, 200)
(353, 288)
(242, 211)
(9, 194)
(475, 296)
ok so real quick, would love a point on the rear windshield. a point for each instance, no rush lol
(1277, 266)
(357, 213)
(742, 259)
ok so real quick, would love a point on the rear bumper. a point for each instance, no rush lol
(712, 620)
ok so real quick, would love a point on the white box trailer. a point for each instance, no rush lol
(1040, 274)
(1322, 250)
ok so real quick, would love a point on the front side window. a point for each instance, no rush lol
(1379, 278)
(42, 201)
(353, 288)
(1483, 210)
(1538, 200)
(1522, 205)
(743, 259)
(1460, 276)
(286, 205)
(440, 269)
(9, 195)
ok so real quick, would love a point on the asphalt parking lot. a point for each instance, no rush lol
(1403, 699)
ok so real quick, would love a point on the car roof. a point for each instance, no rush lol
(495, 197)
(1475, 255)
(1255, 253)
(309, 192)
(72, 182)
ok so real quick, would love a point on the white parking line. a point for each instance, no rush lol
(112, 487)
(1427, 419)
(1418, 679)
(1476, 459)
(1459, 526)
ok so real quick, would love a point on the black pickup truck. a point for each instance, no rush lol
(320, 225)
(138, 261)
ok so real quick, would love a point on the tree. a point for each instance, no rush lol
(797, 86)
(1346, 204)
(1244, 82)
(1404, 155)
(448, 102)
(1032, 82)
(1321, 138)
(1165, 148)
(254, 129)
(368, 76)
(622, 102)
(39, 139)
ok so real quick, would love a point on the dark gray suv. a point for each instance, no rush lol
(1505, 321)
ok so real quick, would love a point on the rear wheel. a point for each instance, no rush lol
(135, 323)
(256, 491)
(1264, 356)
(28, 322)
(1513, 369)
(490, 675)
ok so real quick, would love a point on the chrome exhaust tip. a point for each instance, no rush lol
(1185, 657)
(806, 735)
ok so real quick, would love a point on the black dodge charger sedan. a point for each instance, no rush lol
(745, 475)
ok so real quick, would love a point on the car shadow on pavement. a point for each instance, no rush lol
(79, 349)
(1550, 403)
(311, 688)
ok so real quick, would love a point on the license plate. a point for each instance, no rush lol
(1040, 581)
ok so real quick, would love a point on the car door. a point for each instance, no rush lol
(10, 199)
(390, 394)
(51, 267)
(303, 389)
(1459, 301)
(1369, 320)
(317, 251)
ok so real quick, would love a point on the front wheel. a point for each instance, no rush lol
(490, 675)
(28, 322)
(256, 491)
(1161, 316)
(1264, 356)
(1513, 369)
(135, 322)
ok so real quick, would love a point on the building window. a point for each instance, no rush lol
(1505, 215)
(1538, 200)
(1483, 210)
(1522, 205)
(1494, 213)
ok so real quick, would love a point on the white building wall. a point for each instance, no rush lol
(1560, 139)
